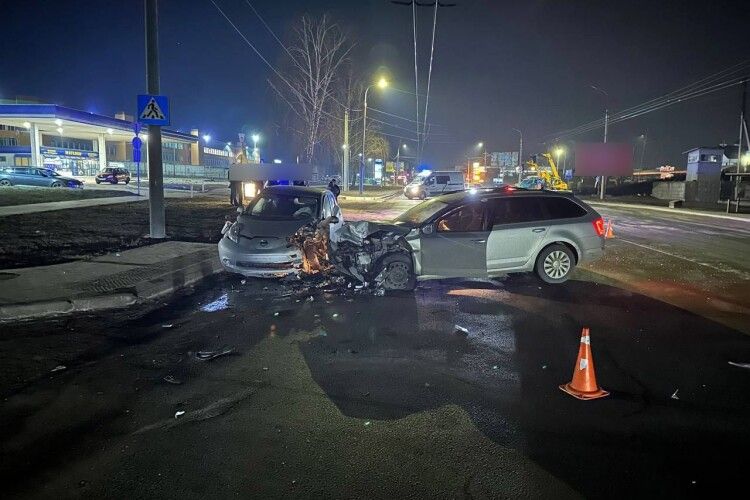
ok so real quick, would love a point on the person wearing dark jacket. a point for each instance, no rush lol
(334, 188)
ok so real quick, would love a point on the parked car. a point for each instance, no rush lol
(113, 175)
(478, 233)
(35, 176)
(434, 183)
(257, 243)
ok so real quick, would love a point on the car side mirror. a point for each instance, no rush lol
(428, 229)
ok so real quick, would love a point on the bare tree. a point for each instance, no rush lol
(316, 56)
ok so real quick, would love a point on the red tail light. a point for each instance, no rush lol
(599, 226)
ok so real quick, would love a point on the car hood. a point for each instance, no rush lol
(356, 232)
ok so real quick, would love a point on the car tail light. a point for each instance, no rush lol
(599, 226)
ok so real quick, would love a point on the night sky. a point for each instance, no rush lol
(498, 65)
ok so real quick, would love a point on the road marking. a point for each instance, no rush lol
(732, 271)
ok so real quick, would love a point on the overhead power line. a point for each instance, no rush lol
(713, 83)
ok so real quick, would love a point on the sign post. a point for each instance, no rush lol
(153, 110)
(137, 156)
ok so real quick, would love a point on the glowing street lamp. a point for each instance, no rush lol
(382, 84)
(206, 138)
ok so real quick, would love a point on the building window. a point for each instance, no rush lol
(8, 141)
(710, 158)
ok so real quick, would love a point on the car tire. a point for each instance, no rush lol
(555, 264)
(97, 181)
(399, 270)
(56, 184)
(5, 182)
(127, 180)
(422, 195)
(114, 181)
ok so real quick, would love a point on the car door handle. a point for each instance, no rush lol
(479, 241)
(538, 230)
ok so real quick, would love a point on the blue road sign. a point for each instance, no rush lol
(136, 149)
(153, 109)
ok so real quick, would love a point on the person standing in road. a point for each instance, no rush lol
(334, 188)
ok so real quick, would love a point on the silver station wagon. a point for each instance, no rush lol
(485, 233)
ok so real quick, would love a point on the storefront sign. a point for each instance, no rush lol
(69, 153)
(215, 152)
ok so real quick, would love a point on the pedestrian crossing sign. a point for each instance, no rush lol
(153, 109)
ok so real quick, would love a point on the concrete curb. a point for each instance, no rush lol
(669, 210)
(145, 291)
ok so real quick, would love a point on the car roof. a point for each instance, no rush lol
(294, 190)
(458, 197)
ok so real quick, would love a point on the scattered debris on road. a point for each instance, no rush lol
(209, 355)
(674, 394)
(460, 330)
(739, 365)
(58, 368)
(179, 413)
(171, 380)
(168, 325)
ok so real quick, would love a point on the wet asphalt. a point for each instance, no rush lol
(339, 395)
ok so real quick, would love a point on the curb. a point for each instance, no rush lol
(668, 210)
(144, 291)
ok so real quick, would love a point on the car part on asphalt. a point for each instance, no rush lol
(209, 355)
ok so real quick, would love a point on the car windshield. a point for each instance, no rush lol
(420, 213)
(284, 206)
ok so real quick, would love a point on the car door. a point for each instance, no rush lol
(455, 245)
(518, 230)
(35, 177)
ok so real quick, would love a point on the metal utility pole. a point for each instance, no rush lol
(520, 154)
(739, 149)
(604, 177)
(364, 142)
(345, 176)
(155, 169)
(643, 151)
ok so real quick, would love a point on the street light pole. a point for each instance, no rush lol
(157, 226)
(520, 154)
(345, 176)
(364, 139)
(604, 177)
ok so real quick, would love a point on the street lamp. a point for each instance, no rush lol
(256, 153)
(206, 138)
(606, 123)
(382, 83)
(520, 154)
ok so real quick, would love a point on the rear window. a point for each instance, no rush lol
(513, 210)
(562, 208)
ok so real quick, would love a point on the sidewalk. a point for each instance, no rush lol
(681, 211)
(106, 282)
(93, 202)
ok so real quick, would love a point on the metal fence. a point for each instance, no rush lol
(176, 170)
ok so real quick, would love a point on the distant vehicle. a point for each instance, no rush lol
(35, 176)
(429, 184)
(113, 175)
(257, 243)
(478, 233)
(246, 180)
(550, 177)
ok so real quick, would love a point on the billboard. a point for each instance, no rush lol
(610, 158)
(504, 160)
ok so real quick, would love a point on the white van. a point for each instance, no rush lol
(429, 184)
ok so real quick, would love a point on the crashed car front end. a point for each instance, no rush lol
(370, 254)
(257, 257)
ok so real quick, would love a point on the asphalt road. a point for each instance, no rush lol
(343, 395)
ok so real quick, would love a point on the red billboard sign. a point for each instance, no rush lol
(610, 159)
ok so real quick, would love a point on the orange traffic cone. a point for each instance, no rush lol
(609, 233)
(583, 385)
